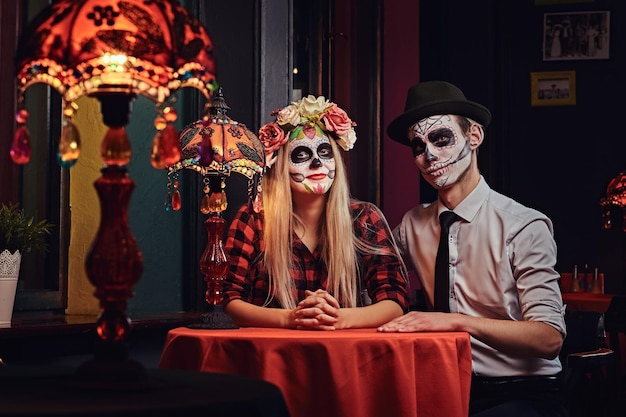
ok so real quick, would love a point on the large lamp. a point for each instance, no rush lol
(113, 50)
(214, 147)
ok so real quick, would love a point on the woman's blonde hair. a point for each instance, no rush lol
(338, 243)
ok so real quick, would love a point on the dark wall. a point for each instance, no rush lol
(557, 159)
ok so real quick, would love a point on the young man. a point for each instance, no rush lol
(502, 287)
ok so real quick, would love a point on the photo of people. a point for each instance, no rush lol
(553, 89)
(576, 35)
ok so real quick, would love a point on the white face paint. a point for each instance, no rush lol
(441, 151)
(311, 164)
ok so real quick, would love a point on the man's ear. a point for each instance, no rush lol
(476, 135)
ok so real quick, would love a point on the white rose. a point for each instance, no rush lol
(313, 106)
(348, 140)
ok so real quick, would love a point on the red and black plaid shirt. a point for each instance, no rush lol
(247, 279)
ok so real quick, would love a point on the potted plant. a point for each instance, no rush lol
(19, 234)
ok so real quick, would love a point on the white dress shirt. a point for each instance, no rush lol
(502, 258)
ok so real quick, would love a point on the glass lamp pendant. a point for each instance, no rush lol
(20, 148)
(165, 146)
(69, 145)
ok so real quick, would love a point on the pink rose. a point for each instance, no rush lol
(288, 115)
(336, 120)
(272, 136)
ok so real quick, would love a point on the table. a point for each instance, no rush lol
(57, 391)
(587, 301)
(598, 302)
(356, 372)
(45, 338)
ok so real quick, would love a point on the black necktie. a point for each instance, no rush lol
(442, 268)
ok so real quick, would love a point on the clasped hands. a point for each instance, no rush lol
(318, 311)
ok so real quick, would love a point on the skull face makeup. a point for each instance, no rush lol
(311, 163)
(441, 151)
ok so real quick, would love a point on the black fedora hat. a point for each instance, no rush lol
(429, 98)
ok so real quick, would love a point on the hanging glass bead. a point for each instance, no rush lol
(176, 201)
(168, 198)
(205, 205)
(168, 202)
(165, 146)
(170, 115)
(21, 117)
(160, 123)
(20, 148)
(69, 145)
(115, 148)
(155, 155)
(217, 202)
(70, 109)
(257, 206)
(170, 145)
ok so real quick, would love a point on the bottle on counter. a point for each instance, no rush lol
(596, 285)
(575, 286)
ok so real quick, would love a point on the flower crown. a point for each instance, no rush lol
(308, 112)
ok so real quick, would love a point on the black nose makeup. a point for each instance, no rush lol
(316, 163)
(429, 155)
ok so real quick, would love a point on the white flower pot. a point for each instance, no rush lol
(9, 273)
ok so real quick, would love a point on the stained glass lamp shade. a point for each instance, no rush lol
(214, 147)
(615, 200)
(113, 50)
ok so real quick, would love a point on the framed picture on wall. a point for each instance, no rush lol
(576, 35)
(553, 88)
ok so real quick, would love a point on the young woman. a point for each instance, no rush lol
(313, 258)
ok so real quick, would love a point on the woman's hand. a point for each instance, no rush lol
(318, 311)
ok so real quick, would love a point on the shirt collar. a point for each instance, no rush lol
(468, 208)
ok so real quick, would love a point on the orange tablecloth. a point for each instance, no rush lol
(586, 301)
(357, 372)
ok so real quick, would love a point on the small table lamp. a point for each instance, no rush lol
(615, 199)
(113, 50)
(215, 146)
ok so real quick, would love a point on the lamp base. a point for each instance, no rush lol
(215, 318)
(111, 368)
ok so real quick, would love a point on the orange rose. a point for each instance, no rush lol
(272, 136)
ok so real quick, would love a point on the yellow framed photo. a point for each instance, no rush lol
(553, 88)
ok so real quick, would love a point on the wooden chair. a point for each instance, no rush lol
(588, 366)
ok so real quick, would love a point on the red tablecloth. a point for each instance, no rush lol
(586, 301)
(341, 373)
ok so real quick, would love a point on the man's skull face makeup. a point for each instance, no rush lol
(441, 151)
(311, 164)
